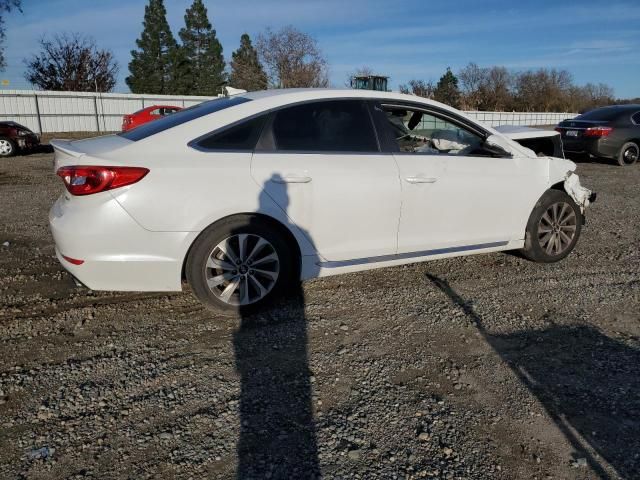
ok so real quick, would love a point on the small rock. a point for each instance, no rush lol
(344, 328)
(342, 351)
(354, 454)
(579, 463)
(43, 452)
(424, 437)
(5, 244)
(447, 451)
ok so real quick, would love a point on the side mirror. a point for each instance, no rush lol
(494, 145)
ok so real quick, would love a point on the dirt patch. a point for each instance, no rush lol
(480, 367)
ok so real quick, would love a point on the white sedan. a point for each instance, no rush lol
(241, 196)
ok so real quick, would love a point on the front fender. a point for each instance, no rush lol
(563, 171)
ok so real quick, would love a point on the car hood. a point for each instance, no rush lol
(516, 132)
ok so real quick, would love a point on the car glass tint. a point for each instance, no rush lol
(636, 118)
(183, 116)
(239, 137)
(604, 114)
(339, 126)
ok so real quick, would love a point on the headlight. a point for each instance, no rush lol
(23, 133)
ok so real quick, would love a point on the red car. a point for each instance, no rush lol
(147, 115)
(16, 138)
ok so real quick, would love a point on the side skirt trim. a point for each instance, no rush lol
(404, 256)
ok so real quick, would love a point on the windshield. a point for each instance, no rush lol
(200, 110)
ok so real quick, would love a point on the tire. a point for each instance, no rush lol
(8, 147)
(553, 228)
(222, 286)
(629, 154)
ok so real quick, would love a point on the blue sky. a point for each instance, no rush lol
(596, 41)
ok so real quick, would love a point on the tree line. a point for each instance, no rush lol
(498, 89)
(194, 65)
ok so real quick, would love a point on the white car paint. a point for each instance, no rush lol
(517, 132)
(363, 211)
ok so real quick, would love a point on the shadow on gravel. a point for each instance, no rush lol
(277, 432)
(588, 383)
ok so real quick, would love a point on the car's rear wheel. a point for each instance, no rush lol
(8, 147)
(553, 228)
(239, 265)
(629, 154)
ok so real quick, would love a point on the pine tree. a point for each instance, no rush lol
(202, 70)
(447, 90)
(153, 65)
(246, 70)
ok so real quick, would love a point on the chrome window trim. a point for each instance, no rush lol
(405, 256)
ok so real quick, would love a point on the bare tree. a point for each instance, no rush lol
(292, 59)
(421, 88)
(72, 62)
(472, 78)
(496, 89)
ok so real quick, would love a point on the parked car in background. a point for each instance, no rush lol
(15, 138)
(146, 115)
(608, 132)
(279, 186)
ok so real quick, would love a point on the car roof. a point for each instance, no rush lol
(301, 94)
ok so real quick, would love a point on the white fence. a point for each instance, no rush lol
(44, 111)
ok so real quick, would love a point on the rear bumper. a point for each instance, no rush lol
(117, 253)
(599, 147)
(28, 141)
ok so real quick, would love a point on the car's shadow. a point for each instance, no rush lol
(584, 158)
(587, 382)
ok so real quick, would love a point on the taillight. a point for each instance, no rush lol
(597, 131)
(558, 129)
(88, 179)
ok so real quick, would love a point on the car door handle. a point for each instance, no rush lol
(292, 179)
(421, 179)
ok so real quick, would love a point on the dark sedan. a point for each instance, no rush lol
(15, 137)
(608, 132)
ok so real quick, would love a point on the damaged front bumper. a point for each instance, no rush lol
(581, 195)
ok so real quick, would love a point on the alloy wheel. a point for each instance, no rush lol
(242, 269)
(5, 147)
(630, 155)
(557, 228)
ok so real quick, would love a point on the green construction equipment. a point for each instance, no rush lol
(370, 82)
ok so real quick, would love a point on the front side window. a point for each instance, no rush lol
(636, 118)
(242, 136)
(416, 131)
(339, 126)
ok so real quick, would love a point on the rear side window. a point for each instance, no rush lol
(239, 137)
(200, 110)
(339, 126)
(604, 114)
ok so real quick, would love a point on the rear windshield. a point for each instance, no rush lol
(607, 113)
(200, 110)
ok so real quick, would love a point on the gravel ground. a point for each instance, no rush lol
(485, 366)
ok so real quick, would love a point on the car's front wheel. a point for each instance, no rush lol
(239, 264)
(553, 228)
(628, 154)
(8, 147)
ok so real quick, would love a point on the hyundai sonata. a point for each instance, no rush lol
(241, 196)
